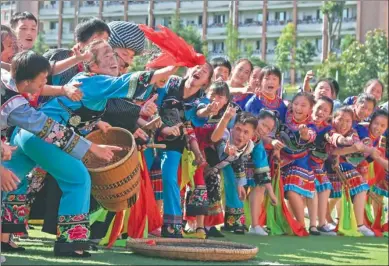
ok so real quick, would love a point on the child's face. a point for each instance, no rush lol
(301, 108)
(254, 81)
(220, 99)
(26, 32)
(265, 126)
(375, 89)
(10, 48)
(36, 85)
(378, 126)
(364, 110)
(343, 123)
(270, 84)
(323, 89)
(321, 111)
(242, 134)
(221, 72)
(241, 74)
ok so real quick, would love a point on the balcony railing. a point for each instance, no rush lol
(217, 25)
(310, 21)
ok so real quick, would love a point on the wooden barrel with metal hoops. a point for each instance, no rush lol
(115, 184)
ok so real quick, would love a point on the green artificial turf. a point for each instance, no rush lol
(272, 250)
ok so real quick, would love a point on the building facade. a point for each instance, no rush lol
(259, 23)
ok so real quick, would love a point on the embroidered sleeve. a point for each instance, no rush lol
(240, 171)
(49, 130)
(261, 165)
(130, 85)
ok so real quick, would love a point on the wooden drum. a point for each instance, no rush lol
(116, 184)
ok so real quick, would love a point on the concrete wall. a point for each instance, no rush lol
(371, 14)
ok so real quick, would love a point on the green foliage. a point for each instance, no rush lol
(361, 62)
(285, 45)
(358, 63)
(304, 55)
(334, 11)
(256, 61)
(40, 46)
(347, 41)
(189, 33)
(232, 42)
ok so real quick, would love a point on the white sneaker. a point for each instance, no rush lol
(257, 230)
(365, 231)
(326, 230)
(331, 226)
(2, 259)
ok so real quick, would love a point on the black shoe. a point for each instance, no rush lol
(6, 247)
(239, 230)
(73, 254)
(213, 232)
(313, 232)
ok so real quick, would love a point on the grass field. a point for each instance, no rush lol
(272, 250)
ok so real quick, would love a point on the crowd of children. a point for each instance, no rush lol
(236, 154)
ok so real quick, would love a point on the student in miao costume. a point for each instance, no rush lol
(28, 74)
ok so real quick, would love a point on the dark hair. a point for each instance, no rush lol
(327, 100)
(307, 95)
(264, 113)
(221, 62)
(377, 113)
(220, 88)
(28, 65)
(366, 97)
(21, 16)
(371, 82)
(5, 32)
(335, 84)
(270, 70)
(329, 82)
(85, 30)
(246, 118)
(245, 60)
(344, 109)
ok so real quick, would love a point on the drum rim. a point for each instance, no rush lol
(121, 161)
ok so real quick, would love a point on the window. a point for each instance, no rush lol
(318, 14)
(166, 21)
(53, 25)
(281, 16)
(260, 17)
(219, 19)
(218, 47)
(248, 21)
(258, 45)
(200, 20)
(318, 45)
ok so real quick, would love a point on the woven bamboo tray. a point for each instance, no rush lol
(192, 249)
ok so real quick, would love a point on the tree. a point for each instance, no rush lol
(305, 53)
(232, 42)
(189, 33)
(358, 63)
(285, 44)
(361, 62)
(334, 12)
(40, 46)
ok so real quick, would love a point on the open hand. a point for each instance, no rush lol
(73, 92)
(9, 181)
(6, 151)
